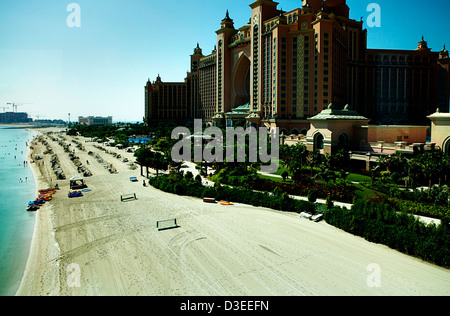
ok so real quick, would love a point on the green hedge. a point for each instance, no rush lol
(417, 202)
(187, 186)
(381, 223)
(435, 211)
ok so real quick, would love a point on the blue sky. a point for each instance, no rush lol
(101, 67)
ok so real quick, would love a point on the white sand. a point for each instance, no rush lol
(217, 250)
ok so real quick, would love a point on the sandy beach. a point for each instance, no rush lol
(98, 245)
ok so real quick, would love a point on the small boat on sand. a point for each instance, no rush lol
(32, 208)
(225, 203)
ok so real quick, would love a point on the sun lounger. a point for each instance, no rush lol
(306, 215)
(317, 217)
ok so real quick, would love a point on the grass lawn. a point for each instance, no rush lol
(357, 177)
(361, 191)
(275, 179)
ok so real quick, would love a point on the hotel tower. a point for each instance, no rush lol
(286, 66)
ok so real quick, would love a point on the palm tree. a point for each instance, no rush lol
(314, 159)
(294, 158)
(143, 158)
(159, 161)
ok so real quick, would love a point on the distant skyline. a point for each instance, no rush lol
(100, 68)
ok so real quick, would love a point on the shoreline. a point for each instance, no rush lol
(17, 223)
(216, 250)
(37, 243)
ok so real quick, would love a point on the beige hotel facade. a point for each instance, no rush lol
(284, 67)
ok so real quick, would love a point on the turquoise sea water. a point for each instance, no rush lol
(17, 188)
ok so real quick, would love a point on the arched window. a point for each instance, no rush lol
(318, 141)
(446, 146)
(342, 141)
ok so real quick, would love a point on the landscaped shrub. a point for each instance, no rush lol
(177, 184)
(312, 196)
(381, 223)
(435, 211)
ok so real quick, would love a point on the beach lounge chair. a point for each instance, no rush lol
(317, 218)
(306, 215)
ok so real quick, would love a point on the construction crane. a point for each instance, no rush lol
(15, 105)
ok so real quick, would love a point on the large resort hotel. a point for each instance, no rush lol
(285, 67)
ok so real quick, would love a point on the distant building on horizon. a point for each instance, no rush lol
(14, 117)
(284, 67)
(95, 120)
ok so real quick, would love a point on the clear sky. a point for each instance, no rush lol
(101, 67)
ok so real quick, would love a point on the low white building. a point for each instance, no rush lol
(95, 120)
(440, 130)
